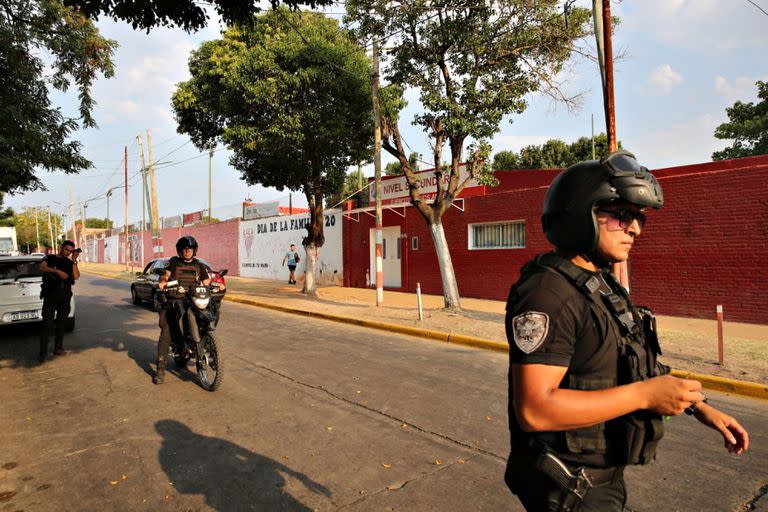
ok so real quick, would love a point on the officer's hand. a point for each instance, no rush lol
(62, 274)
(669, 396)
(734, 435)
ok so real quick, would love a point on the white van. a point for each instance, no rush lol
(20, 282)
(8, 245)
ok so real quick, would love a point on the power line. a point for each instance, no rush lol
(757, 6)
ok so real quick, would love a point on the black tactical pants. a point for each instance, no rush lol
(56, 307)
(538, 493)
(169, 327)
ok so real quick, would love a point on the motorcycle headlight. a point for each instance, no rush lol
(201, 303)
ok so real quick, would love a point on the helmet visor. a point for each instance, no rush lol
(623, 163)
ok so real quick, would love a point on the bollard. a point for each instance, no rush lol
(720, 334)
(418, 299)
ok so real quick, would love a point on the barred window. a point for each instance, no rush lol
(497, 235)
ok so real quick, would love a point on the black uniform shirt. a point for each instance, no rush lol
(65, 265)
(549, 321)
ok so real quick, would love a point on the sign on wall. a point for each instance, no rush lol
(261, 210)
(264, 242)
(193, 218)
(395, 190)
(172, 222)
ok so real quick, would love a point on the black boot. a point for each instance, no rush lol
(159, 377)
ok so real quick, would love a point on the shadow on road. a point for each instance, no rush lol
(229, 476)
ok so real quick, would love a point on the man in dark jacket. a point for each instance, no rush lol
(59, 274)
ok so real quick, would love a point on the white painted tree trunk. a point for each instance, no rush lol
(310, 269)
(450, 287)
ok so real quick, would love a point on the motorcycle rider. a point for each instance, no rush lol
(188, 271)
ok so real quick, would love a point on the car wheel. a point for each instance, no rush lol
(69, 325)
(135, 296)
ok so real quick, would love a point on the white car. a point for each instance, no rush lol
(20, 281)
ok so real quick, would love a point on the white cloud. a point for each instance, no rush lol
(663, 79)
(742, 88)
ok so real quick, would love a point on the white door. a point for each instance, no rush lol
(390, 257)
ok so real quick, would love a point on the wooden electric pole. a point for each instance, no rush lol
(125, 228)
(153, 205)
(377, 167)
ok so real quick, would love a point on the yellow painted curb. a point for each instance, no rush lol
(737, 387)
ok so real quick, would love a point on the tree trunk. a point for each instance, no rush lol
(450, 287)
(310, 269)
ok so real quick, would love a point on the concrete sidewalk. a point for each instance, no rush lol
(690, 345)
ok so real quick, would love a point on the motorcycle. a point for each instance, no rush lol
(195, 335)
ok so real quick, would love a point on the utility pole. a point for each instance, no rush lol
(603, 29)
(84, 238)
(51, 241)
(145, 202)
(377, 167)
(211, 151)
(37, 229)
(125, 228)
(72, 214)
(290, 203)
(153, 205)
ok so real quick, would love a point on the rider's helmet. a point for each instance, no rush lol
(571, 202)
(184, 242)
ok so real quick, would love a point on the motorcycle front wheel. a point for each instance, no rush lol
(209, 368)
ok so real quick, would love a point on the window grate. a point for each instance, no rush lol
(497, 235)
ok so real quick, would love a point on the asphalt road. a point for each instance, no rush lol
(312, 415)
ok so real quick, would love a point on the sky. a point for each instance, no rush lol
(684, 62)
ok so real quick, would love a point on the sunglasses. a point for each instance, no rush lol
(621, 219)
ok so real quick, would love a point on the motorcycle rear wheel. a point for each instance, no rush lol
(209, 368)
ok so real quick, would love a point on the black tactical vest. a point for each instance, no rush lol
(636, 435)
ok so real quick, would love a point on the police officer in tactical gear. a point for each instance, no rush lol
(188, 271)
(587, 394)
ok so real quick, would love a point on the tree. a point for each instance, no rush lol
(505, 160)
(553, 154)
(471, 65)
(94, 223)
(290, 95)
(33, 133)
(187, 14)
(6, 215)
(27, 231)
(396, 169)
(354, 188)
(747, 127)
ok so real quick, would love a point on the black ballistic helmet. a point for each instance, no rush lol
(186, 241)
(570, 204)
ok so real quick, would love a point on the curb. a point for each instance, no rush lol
(737, 387)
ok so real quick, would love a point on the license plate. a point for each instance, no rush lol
(24, 315)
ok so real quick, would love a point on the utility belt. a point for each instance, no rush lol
(573, 484)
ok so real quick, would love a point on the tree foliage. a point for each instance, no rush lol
(6, 214)
(187, 14)
(396, 168)
(290, 96)
(94, 223)
(553, 154)
(471, 64)
(747, 126)
(27, 231)
(34, 134)
(350, 190)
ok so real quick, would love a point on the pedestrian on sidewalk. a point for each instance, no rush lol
(587, 395)
(292, 257)
(59, 275)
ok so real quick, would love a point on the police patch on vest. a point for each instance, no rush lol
(530, 330)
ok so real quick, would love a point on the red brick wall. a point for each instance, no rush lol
(707, 246)
(218, 243)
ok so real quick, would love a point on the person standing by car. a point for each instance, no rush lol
(59, 275)
(188, 271)
(292, 257)
(587, 395)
